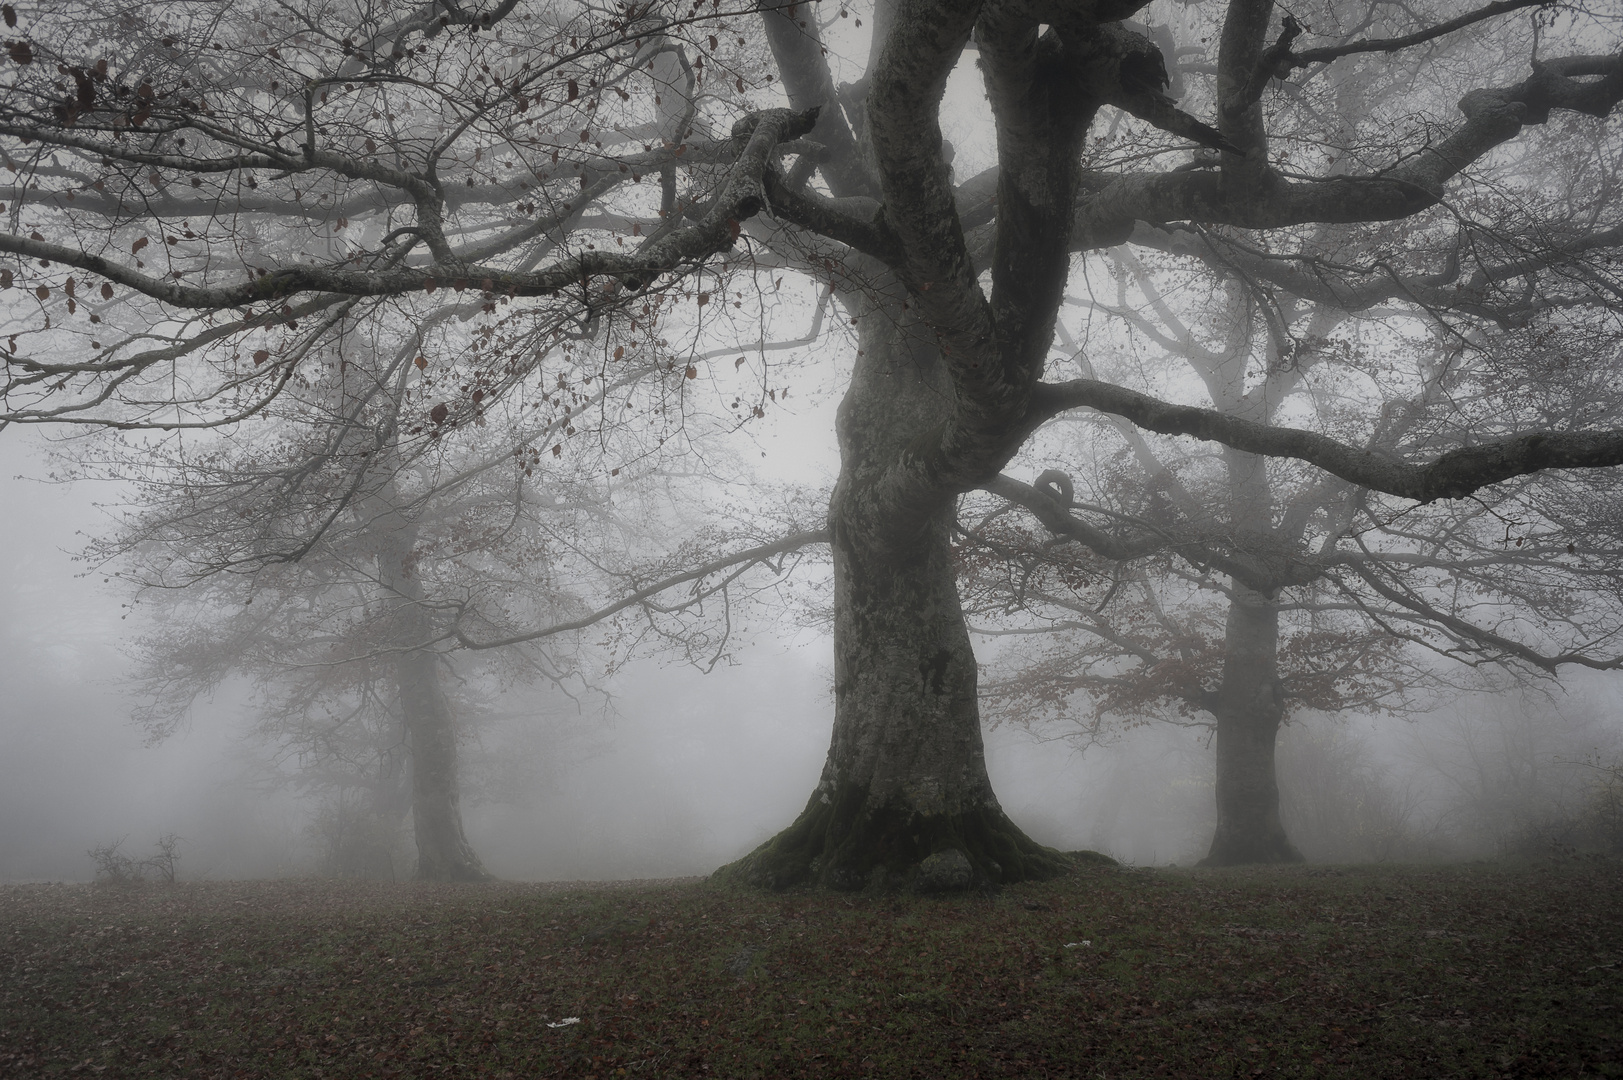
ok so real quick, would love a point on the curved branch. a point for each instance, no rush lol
(1453, 475)
(1327, 53)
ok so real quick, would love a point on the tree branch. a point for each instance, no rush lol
(1325, 54)
(737, 560)
(1110, 204)
(1454, 475)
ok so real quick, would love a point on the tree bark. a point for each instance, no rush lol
(1249, 708)
(443, 851)
(904, 800)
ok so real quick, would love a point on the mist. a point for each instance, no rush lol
(685, 770)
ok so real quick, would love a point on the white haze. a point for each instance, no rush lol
(696, 769)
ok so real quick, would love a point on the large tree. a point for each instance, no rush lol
(419, 123)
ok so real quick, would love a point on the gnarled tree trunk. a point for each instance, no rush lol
(904, 799)
(1249, 708)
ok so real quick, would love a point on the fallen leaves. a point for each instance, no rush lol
(1209, 973)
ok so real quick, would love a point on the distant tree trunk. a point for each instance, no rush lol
(373, 853)
(904, 798)
(443, 851)
(1249, 709)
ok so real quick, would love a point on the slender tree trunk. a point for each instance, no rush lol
(1249, 710)
(904, 799)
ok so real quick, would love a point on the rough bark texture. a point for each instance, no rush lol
(1249, 709)
(904, 800)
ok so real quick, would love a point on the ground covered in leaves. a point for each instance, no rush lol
(1302, 972)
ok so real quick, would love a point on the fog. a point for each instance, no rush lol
(689, 770)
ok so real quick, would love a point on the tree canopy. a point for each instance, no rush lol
(538, 206)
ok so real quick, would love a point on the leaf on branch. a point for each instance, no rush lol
(21, 52)
(261, 356)
(106, 291)
(43, 292)
(9, 13)
(5, 279)
(704, 298)
(574, 90)
(557, 449)
(439, 412)
(619, 352)
(136, 247)
(422, 363)
(692, 372)
(429, 284)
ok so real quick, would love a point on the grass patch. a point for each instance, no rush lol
(1300, 971)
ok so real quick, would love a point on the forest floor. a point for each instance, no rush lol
(1308, 971)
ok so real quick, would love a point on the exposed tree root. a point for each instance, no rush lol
(836, 844)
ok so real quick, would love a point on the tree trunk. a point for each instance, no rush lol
(904, 799)
(1249, 709)
(443, 851)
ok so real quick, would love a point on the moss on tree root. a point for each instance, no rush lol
(838, 844)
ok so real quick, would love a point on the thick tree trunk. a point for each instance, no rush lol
(1249, 710)
(443, 851)
(904, 799)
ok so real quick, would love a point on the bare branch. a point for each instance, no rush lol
(745, 558)
(1453, 475)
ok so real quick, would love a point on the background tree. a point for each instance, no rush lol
(344, 636)
(948, 382)
(343, 577)
(1220, 585)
